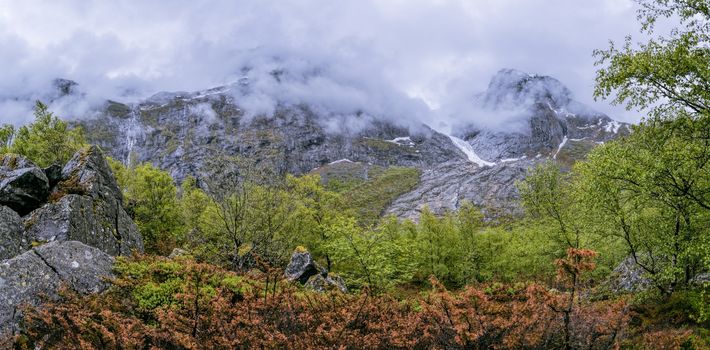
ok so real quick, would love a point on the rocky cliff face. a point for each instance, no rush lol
(181, 132)
(550, 119)
(550, 126)
(72, 224)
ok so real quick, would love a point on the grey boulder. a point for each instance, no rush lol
(178, 252)
(54, 174)
(701, 279)
(80, 218)
(88, 173)
(29, 278)
(83, 268)
(23, 185)
(322, 284)
(306, 271)
(11, 238)
(89, 209)
(302, 267)
(628, 277)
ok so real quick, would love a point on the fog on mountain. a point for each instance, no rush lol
(376, 175)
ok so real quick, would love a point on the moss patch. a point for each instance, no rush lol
(372, 197)
(344, 176)
(574, 151)
(368, 189)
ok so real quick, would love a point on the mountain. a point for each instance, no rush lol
(182, 132)
(553, 119)
(548, 125)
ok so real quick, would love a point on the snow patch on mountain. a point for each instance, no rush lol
(344, 160)
(402, 141)
(559, 148)
(510, 160)
(612, 126)
(467, 149)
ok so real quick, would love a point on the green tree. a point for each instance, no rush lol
(153, 202)
(46, 141)
(230, 190)
(670, 75)
(379, 258)
(316, 210)
(270, 214)
(559, 219)
(121, 173)
(250, 214)
(440, 247)
(652, 191)
(547, 194)
(518, 253)
(470, 223)
(193, 203)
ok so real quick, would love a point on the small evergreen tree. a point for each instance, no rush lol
(46, 141)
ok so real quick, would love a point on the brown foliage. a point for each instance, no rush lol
(670, 339)
(278, 315)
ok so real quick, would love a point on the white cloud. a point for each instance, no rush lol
(386, 57)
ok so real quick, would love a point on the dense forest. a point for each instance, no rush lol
(613, 252)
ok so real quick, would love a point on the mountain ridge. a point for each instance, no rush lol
(180, 132)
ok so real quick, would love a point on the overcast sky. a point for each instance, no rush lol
(400, 56)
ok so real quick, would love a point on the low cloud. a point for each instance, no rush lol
(406, 60)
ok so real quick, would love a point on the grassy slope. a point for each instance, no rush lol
(371, 198)
(368, 189)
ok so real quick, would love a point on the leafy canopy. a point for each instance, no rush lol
(152, 201)
(46, 141)
(669, 75)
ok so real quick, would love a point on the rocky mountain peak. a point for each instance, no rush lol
(511, 88)
(544, 123)
(541, 117)
(64, 86)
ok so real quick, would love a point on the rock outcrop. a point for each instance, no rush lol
(447, 185)
(23, 185)
(303, 269)
(183, 132)
(39, 273)
(11, 239)
(628, 277)
(89, 208)
(67, 240)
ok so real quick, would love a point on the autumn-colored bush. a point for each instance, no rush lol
(182, 304)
